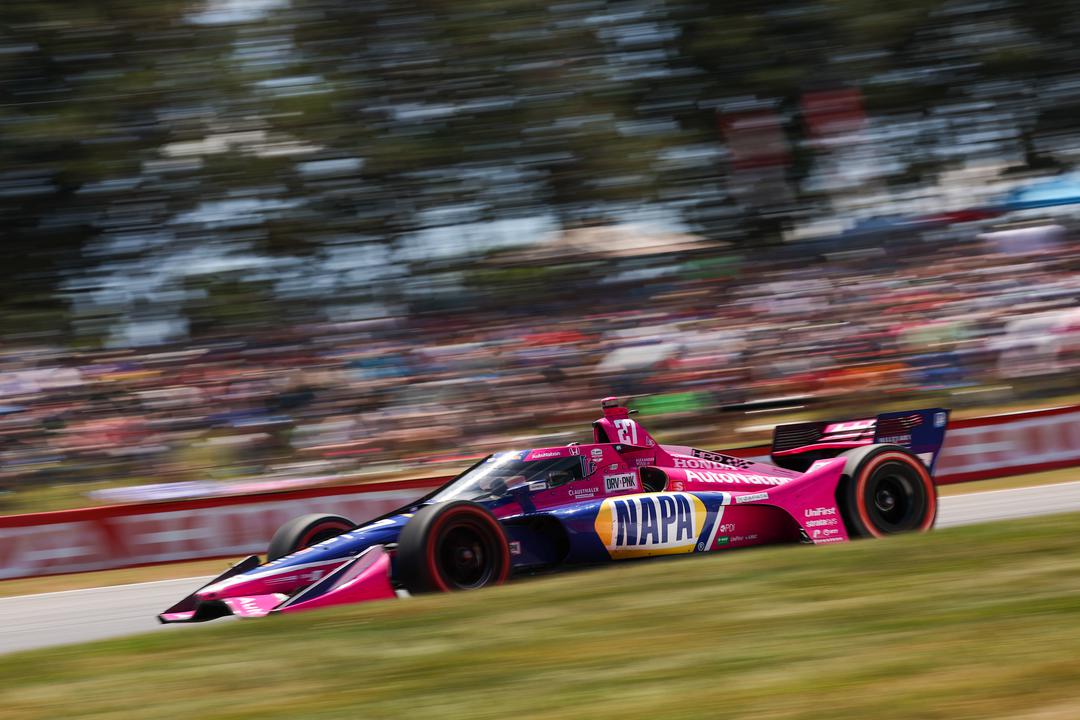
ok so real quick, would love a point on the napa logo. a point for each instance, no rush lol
(653, 524)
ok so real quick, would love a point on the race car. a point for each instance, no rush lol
(622, 496)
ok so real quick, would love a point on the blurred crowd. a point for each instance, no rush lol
(320, 402)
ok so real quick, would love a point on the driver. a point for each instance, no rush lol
(498, 485)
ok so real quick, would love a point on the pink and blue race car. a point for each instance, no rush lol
(622, 496)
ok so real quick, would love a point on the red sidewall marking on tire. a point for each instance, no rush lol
(484, 520)
(864, 477)
(305, 541)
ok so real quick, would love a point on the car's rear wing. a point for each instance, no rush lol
(921, 431)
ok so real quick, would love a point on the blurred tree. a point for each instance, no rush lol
(88, 93)
(464, 112)
(321, 148)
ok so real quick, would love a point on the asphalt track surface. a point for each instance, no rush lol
(76, 616)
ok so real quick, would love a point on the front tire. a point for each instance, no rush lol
(886, 490)
(305, 531)
(452, 546)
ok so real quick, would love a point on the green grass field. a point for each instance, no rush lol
(975, 622)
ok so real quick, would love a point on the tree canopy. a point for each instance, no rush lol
(310, 147)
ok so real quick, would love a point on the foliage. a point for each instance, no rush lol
(372, 123)
(974, 622)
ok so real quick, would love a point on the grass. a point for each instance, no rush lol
(108, 578)
(973, 622)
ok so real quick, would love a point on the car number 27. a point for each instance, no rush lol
(627, 430)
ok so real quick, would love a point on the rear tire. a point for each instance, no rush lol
(886, 490)
(452, 546)
(305, 531)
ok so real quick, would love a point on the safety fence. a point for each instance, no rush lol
(147, 533)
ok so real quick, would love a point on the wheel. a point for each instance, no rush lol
(305, 531)
(886, 490)
(452, 546)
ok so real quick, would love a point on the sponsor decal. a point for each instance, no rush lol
(896, 439)
(309, 577)
(249, 605)
(591, 468)
(821, 522)
(613, 467)
(538, 486)
(851, 425)
(515, 547)
(751, 497)
(652, 524)
(734, 478)
(722, 459)
(643, 461)
(618, 483)
(575, 450)
(649, 442)
(819, 463)
(939, 419)
(281, 580)
(583, 493)
(722, 540)
(697, 464)
(819, 511)
(547, 454)
(597, 452)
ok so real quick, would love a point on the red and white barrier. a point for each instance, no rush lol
(1010, 444)
(128, 535)
(146, 533)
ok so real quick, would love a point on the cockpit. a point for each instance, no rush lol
(508, 473)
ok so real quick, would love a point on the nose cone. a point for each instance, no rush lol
(226, 588)
(285, 579)
(304, 567)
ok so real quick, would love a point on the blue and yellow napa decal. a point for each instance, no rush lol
(634, 526)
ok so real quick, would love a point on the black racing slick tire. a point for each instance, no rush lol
(452, 546)
(305, 531)
(886, 490)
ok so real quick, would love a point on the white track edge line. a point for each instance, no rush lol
(1008, 490)
(202, 578)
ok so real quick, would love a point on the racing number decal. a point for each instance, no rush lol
(627, 430)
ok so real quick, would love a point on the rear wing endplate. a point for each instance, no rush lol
(920, 431)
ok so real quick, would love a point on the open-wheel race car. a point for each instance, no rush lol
(621, 496)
